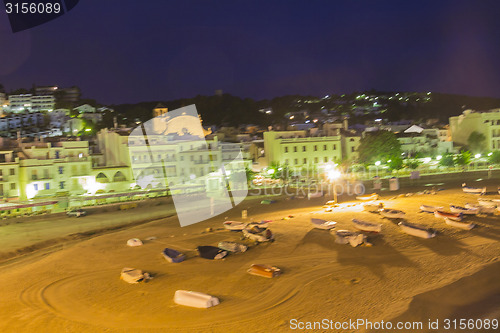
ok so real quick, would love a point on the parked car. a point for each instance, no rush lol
(77, 212)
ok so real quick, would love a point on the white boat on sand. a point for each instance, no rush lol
(463, 210)
(392, 213)
(323, 224)
(430, 209)
(461, 225)
(349, 237)
(367, 226)
(417, 230)
(481, 209)
(473, 190)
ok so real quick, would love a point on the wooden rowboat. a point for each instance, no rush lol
(367, 226)
(373, 196)
(235, 225)
(417, 230)
(451, 216)
(473, 190)
(430, 209)
(463, 210)
(461, 225)
(392, 213)
(323, 224)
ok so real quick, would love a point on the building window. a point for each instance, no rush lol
(35, 186)
(324, 147)
(61, 170)
(296, 161)
(303, 148)
(325, 159)
(61, 185)
(1, 172)
(12, 186)
(352, 149)
(295, 149)
(12, 172)
(57, 154)
(334, 147)
(305, 160)
(315, 160)
(315, 148)
(47, 186)
(286, 149)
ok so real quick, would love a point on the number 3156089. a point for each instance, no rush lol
(33, 8)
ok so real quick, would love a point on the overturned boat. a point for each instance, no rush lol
(457, 224)
(473, 190)
(349, 237)
(232, 247)
(463, 210)
(258, 234)
(392, 213)
(430, 209)
(373, 196)
(211, 252)
(367, 226)
(452, 216)
(373, 207)
(195, 299)
(264, 270)
(323, 224)
(172, 255)
(235, 225)
(417, 230)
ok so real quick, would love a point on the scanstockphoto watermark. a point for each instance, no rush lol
(463, 324)
(312, 191)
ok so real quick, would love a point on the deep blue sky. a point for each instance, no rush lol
(121, 51)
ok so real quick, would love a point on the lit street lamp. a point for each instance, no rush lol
(333, 175)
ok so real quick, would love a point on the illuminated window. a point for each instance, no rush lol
(47, 186)
(61, 170)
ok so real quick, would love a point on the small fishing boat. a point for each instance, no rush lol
(372, 207)
(461, 225)
(195, 299)
(258, 234)
(373, 196)
(232, 247)
(349, 237)
(367, 226)
(473, 190)
(452, 216)
(260, 224)
(430, 209)
(211, 252)
(323, 224)
(416, 230)
(264, 270)
(172, 255)
(463, 210)
(487, 203)
(392, 213)
(481, 209)
(235, 225)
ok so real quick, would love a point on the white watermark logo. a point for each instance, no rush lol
(205, 178)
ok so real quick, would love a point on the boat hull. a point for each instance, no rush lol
(461, 225)
(367, 226)
(417, 231)
(451, 216)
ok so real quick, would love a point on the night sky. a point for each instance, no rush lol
(135, 50)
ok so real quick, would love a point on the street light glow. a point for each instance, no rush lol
(333, 174)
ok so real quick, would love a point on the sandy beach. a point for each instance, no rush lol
(76, 287)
